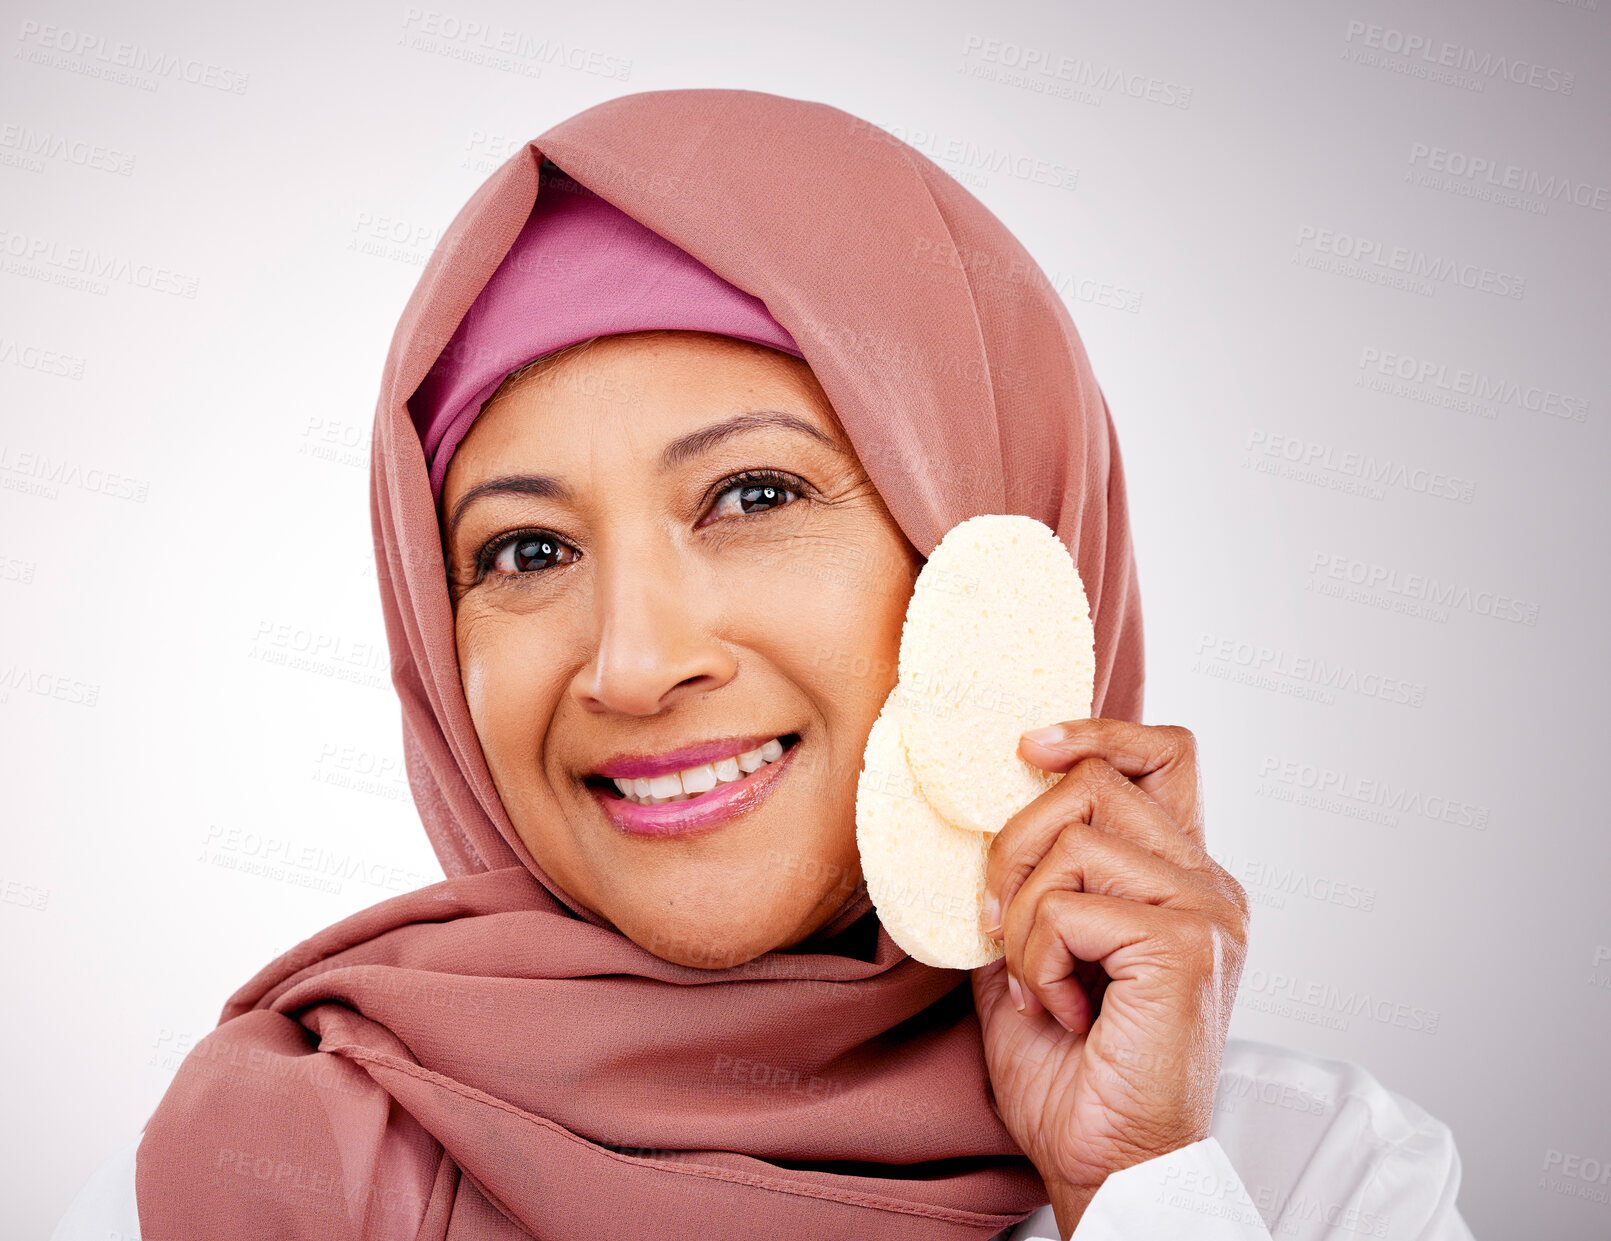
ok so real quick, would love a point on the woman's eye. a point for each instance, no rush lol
(534, 553)
(528, 553)
(753, 497)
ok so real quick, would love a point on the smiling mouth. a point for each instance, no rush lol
(706, 779)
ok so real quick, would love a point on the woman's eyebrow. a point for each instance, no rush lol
(680, 450)
(695, 442)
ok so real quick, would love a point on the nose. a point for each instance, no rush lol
(655, 645)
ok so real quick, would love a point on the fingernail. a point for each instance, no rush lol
(1045, 736)
(1016, 991)
(992, 914)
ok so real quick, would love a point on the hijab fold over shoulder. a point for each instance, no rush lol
(484, 1058)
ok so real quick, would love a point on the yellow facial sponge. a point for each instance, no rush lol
(926, 877)
(997, 640)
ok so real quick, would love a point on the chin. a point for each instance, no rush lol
(703, 942)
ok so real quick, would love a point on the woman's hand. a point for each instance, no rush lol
(1124, 941)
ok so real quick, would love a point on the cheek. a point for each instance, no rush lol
(833, 611)
(504, 676)
(858, 639)
(837, 637)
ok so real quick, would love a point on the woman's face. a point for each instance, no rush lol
(623, 592)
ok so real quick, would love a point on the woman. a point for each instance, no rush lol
(686, 394)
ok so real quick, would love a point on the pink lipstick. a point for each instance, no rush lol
(693, 814)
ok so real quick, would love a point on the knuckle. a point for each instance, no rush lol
(1239, 899)
(1077, 790)
(1228, 941)
(1060, 904)
(1020, 898)
(1075, 840)
(1095, 772)
(1234, 952)
(1181, 739)
(1084, 767)
(1013, 878)
(1230, 888)
(1236, 936)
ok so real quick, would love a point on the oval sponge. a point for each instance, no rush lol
(926, 877)
(997, 640)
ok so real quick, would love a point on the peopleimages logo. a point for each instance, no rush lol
(501, 47)
(1436, 593)
(970, 157)
(1329, 782)
(85, 267)
(1487, 392)
(1553, 187)
(1261, 659)
(1270, 883)
(1414, 269)
(38, 473)
(134, 64)
(1576, 1176)
(1039, 67)
(1329, 1004)
(1307, 458)
(1445, 55)
(46, 361)
(24, 146)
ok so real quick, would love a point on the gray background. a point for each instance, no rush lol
(1289, 277)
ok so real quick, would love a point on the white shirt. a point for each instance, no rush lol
(1300, 1148)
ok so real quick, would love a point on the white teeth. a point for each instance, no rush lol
(638, 790)
(699, 779)
(657, 790)
(665, 786)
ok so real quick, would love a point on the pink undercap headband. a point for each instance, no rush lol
(579, 268)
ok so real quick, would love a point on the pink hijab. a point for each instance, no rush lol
(580, 268)
(484, 1058)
